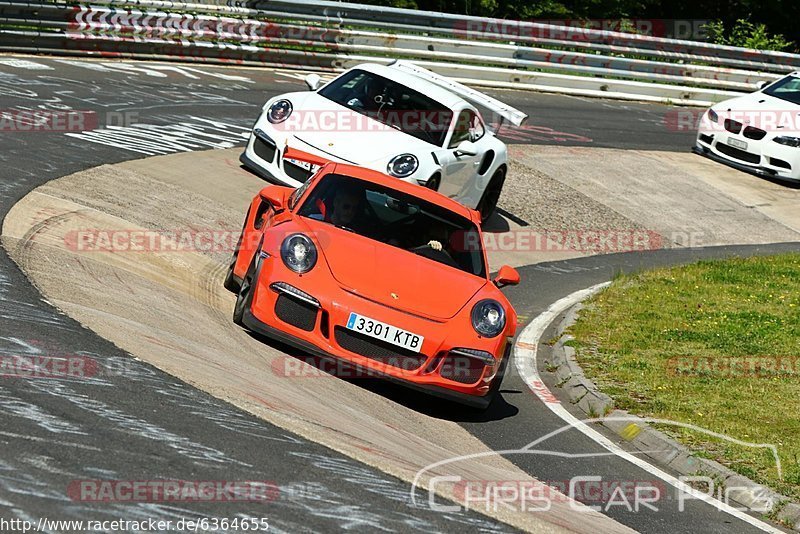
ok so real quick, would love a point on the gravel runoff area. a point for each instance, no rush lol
(545, 203)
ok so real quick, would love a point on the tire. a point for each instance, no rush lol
(491, 195)
(434, 182)
(488, 399)
(244, 298)
(230, 282)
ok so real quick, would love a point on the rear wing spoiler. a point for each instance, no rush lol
(293, 153)
(514, 116)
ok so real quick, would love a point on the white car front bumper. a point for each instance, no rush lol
(264, 156)
(740, 148)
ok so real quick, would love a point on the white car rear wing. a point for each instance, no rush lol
(514, 116)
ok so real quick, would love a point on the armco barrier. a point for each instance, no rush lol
(333, 36)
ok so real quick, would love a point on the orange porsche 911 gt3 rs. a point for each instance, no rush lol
(386, 276)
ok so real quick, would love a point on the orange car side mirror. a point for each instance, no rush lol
(275, 196)
(506, 276)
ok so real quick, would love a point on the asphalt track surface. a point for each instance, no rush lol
(57, 431)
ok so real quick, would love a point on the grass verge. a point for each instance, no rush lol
(715, 344)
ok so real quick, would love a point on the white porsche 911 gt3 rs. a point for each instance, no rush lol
(758, 132)
(399, 119)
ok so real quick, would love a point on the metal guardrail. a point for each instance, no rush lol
(333, 36)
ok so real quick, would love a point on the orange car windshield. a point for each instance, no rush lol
(397, 219)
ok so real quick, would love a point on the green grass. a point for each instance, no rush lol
(661, 344)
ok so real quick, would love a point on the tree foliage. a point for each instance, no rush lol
(747, 34)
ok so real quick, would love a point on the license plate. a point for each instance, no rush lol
(310, 167)
(385, 332)
(737, 143)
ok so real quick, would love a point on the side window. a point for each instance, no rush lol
(792, 87)
(477, 130)
(461, 129)
(298, 193)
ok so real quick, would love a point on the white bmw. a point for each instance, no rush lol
(757, 133)
(399, 119)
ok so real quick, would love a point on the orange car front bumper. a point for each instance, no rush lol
(310, 312)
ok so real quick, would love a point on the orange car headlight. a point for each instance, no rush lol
(299, 253)
(488, 318)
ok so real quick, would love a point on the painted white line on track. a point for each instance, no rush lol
(525, 351)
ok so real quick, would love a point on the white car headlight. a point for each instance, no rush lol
(299, 253)
(403, 165)
(712, 115)
(788, 140)
(488, 318)
(279, 111)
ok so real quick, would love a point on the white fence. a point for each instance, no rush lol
(333, 35)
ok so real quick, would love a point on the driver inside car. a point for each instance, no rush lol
(438, 243)
(345, 207)
(371, 97)
(342, 207)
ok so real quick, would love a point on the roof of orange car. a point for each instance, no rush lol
(404, 187)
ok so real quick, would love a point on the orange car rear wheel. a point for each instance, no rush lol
(244, 299)
(230, 283)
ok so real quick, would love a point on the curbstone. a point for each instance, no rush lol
(563, 374)
(656, 445)
(790, 515)
(715, 468)
(595, 404)
(685, 462)
(662, 449)
(754, 496)
(574, 389)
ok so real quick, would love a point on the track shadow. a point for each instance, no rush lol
(779, 181)
(510, 216)
(496, 224)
